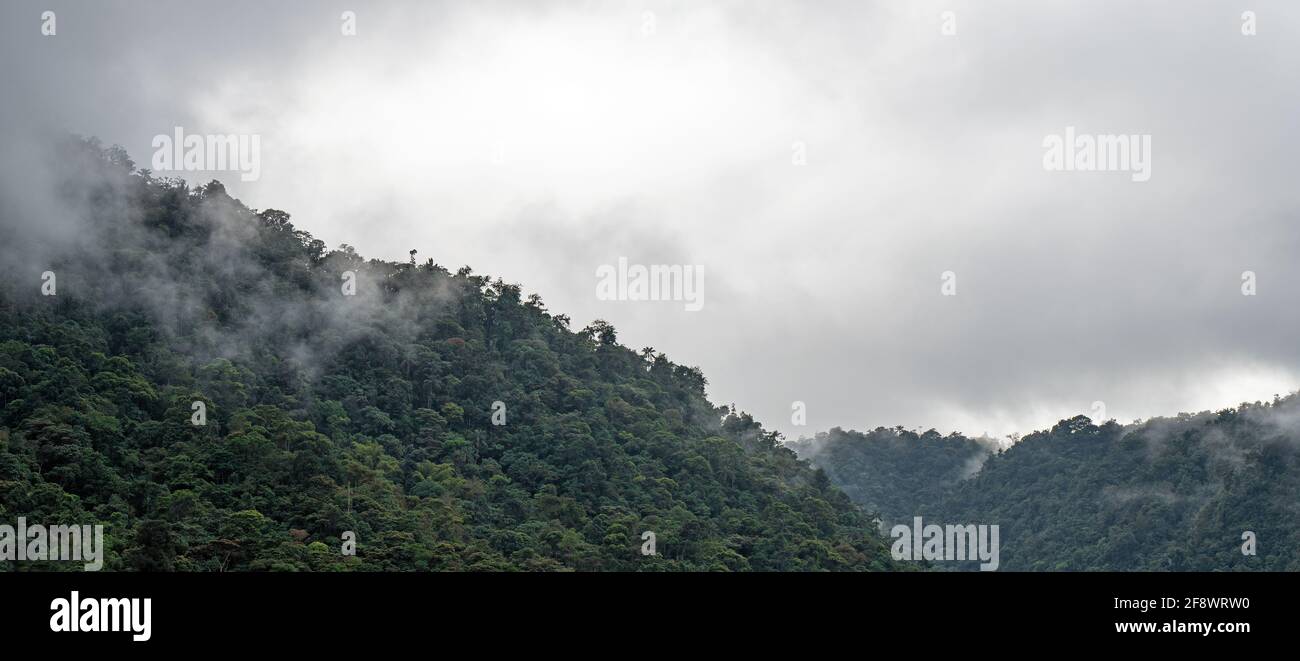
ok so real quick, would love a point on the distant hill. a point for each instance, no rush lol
(892, 471)
(1170, 494)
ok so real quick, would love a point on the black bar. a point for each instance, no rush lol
(938, 610)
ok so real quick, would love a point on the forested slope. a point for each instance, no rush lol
(371, 413)
(1167, 494)
(891, 471)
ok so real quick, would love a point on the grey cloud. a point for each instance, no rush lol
(823, 281)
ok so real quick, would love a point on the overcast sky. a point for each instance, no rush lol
(539, 140)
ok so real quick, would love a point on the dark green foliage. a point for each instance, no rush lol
(370, 413)
(890, 471)
(1170, 494)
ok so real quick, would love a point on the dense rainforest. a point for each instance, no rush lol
(198, 377)
(891, 471)
(1167, 494)
(222, 392)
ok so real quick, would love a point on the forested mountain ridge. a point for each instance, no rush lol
(890, 470)
(374, 413)
(371, 413)
(1167, 494)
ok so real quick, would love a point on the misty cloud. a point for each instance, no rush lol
(536, 141)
